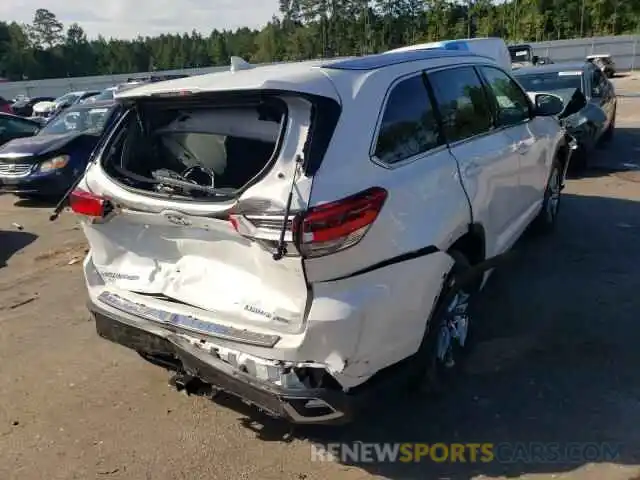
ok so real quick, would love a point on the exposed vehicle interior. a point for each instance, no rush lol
(195, 151)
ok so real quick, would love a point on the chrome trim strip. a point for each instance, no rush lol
(15, 155)
(188, 323)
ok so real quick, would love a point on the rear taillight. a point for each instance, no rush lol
(88, 204)
(335, 226)
(234, 222)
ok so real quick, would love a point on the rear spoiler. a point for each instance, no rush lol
(238, 63)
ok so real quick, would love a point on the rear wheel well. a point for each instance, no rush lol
(471, 245)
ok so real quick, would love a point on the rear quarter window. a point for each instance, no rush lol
(409, 126)
(462, 102)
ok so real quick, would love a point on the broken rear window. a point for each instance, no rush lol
(195, 150)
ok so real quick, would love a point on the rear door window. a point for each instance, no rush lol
(409, 126)
(511, 103)
(462, 102)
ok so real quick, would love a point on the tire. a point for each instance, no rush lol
(37, 197)
(546, 220)
(441, 365)
(579, 160)
(29, 196)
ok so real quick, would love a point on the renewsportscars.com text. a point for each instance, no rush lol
(507, 452)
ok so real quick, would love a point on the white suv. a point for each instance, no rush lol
(290, 233)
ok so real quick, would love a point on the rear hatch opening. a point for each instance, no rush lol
(198, 188)
(196, 149)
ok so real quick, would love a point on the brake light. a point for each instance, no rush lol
(233, 220)
(335, 226)
(85, 203)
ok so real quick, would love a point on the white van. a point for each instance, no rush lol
(492, 47)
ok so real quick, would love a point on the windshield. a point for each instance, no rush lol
(105, 95)
(88, 98)
(520, 54)
(548, 82)
(68, 97)
(78, 120)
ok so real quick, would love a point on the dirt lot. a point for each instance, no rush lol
(558, 361)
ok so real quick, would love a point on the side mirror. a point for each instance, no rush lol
(535, 59)
(548, 105)
(596, 92)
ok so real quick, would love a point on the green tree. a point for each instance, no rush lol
(307, 29)
(78, 53)
(46, 31)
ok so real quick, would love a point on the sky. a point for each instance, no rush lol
(128, 18)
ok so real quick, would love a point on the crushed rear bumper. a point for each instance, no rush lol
(301, 406)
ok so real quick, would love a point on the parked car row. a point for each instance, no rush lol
(43, 151)
(48, 109)
(522, 55)
(46, 161)
(44, 107)
(24, 106)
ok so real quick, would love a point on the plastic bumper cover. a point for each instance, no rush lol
(303, 406)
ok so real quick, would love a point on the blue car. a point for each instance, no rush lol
(47, 164)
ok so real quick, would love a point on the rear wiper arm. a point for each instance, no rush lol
(165, 180)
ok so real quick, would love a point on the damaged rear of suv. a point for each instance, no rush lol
(246, 232)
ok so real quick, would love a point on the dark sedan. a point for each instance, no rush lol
(588, 97)
(12, 127)
(47, 164)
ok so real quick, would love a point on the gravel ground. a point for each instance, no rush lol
(557, 361)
